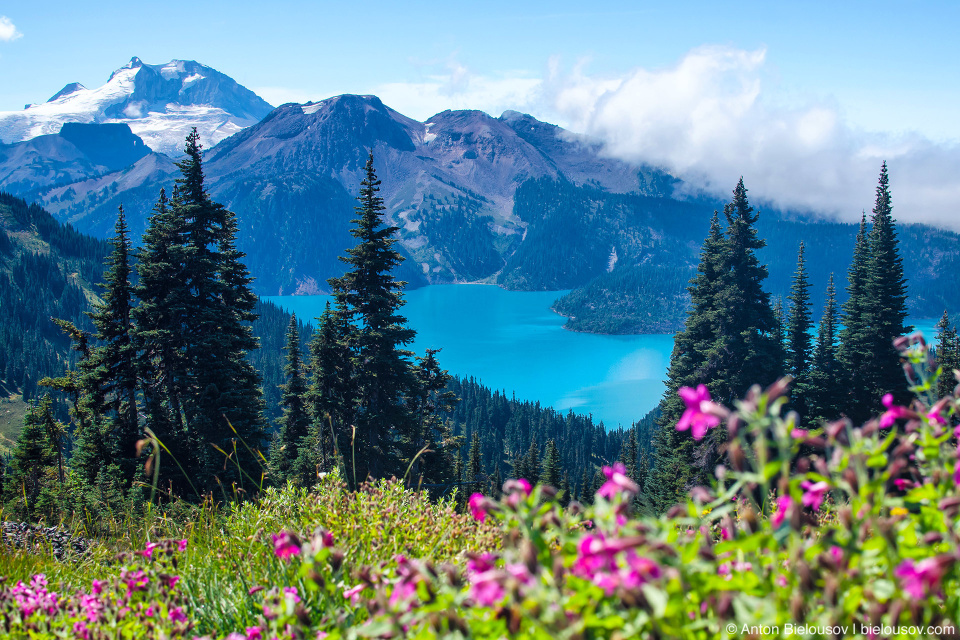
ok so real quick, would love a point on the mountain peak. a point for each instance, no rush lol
(73, 87)
(160, 103)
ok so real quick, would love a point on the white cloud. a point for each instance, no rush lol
(454, 86)
(8, 32)
(712, 118)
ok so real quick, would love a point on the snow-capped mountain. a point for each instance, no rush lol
(159, 102)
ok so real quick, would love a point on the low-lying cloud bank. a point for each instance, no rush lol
(708, 120)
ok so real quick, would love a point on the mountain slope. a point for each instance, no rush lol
(160, 103)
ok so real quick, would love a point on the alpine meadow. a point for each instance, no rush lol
(667, 349)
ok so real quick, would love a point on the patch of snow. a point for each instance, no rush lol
(171, 70)
(427, 136)
(191, 79)
(311, 107)
(612, 260)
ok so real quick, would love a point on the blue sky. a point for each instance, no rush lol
(846, 80)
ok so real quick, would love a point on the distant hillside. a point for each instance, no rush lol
(48, 269)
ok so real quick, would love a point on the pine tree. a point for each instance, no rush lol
(728, 343)
(747, 352)
(565, 493)
(474, 472)
(383, 375)
(295, 422)
(854, 335)
(112, 367)
(430, 401)
(628, 455)
(798, 335)
(496, 483)
(532, 462)
(551, 465)
(824, 392)
(34, 475)
(948, 356)
(886, 295)
(203, 392)
(779, 329)
(331, 395)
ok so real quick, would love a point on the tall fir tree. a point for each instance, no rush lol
(875, 313)
(430, 401)
(823, 395)
(728, 343)
(948, 356)
(690, 364)
(383, 375)
(798, 347)
(331, 395)
(112, 369)
(194, 349)
(295, 421)
(854, 335)
(886, 295)
(32, 481)
(551, 472)
(474, 473)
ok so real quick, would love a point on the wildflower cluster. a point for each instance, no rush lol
(142, 601)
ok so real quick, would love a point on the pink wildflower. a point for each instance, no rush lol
(813, 493)
(291, 593)
(254, 633)
(285, 544)
(149, 612)
(837, 554)
(617, 482)
(782, 580)
(353, 593)
(476, 504)
(918, 579)
(784, 503)
(135, 580)
(893, 412)
(695, 418)
(902, 484)
(97, 587)
(486, 588)
(81, 630)
(177, 615)
(148, 552)
(322, 635)
(956, 474)
(181, 545)
(326, 538)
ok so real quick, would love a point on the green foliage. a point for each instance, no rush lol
(193, 332)
(33, 481)
(875, 312)
(295, 422)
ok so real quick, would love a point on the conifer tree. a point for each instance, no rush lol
(295, 421)
(33, 478)
(824, 390)
(854, 335)
(532, 462)
(948, 356)
(551, 465)
(565, 495)
(429, 402)
(496, 483)
(886, 295)
(728, 343)
(383, 376)
(205, 394)
(112, 367)
(779, 333)
(331, 394)
(474, 474)
(629, 453)
(799, 322)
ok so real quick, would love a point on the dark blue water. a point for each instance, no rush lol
(511, 341)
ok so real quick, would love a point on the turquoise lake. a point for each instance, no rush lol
(512, 341)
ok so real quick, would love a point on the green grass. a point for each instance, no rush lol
(230, 549)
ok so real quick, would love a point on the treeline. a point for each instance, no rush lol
(735, 337)
(46, 270)
(510, 438)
